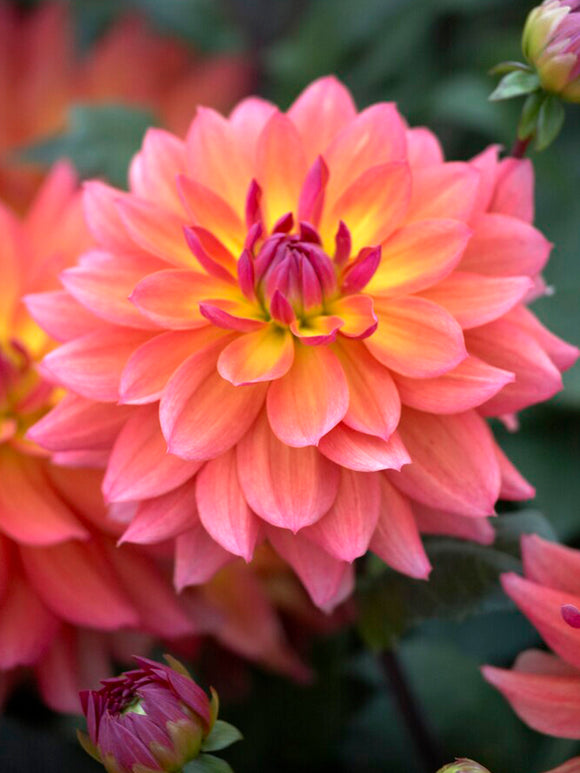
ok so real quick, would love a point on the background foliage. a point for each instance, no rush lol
(430, 56)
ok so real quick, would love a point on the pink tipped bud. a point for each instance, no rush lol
(155, 718)
(551, 43)
(463, 765)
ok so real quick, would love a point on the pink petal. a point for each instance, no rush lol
(562, 354)
(310, 399)
(322, 575)
(416, 337)
(514, 189)
(346, 529)
(505, 345)
(514, 486)
(467, 386)
(320, 112)
(502, 245)
(281, 167)
(438, 522)
(222, 507)
(486, 164)
(361, 452)
(474, 299)
(443, 190)
(151, 366)
(26, 627)
(154, 170)
(202, 415)
(31, 511)
(163, 517)
(419, 255)
(92, 365)
(374, 406)
(248, 120)
(76, 582)
(549, 704)
(372, 206)
(103, 282)
(548, 563)
(60, 315)
(171, 298)
(288, 487)
(263, 355)
(76, 423)
(423, 148)
(197, 558)
(102, 216)
(462, 476)
(140, 466)
(396, 539)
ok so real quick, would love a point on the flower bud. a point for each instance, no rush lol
(155, 718)
(463, 765)
(551, 43)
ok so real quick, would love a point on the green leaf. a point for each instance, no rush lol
(207, 763)
(464, 581)
(529, 115)
(504, 67)
(222, 735)
(550, 122)
(514, 84)
(99, 140)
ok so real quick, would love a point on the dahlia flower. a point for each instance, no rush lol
(551, 43)
(544, 688)
(293, 328)
(70, 599)
(154, 718)
(41, 76)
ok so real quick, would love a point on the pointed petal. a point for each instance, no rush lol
(27, 628)
(419, 255)
(374, 406)
(474, 299)
(223, 509)
(197, 557)
(463, 476)
(153, 171)
(514, 189)
(443, 190)
(548, 563)
(288, 487)
(365, 453)
(248, 120)
(157, 231)
(310, 399)
(321, 575)
(562, 354)
(416, 338)
(163, 517)
(202, 414)
(346, 529)
(423, 148)
(60, 315)
(467, 386)
(263, 355)
(396, 539)
(140, 466)
(514, 486)
(102, 216)
(430, 521)
(357, 314)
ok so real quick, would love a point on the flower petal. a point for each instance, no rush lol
(514, 189)
(310, 399)
(430, 521)
(26, 626)
(163, 517)
(263, 355)
(423, 148)
(288, 487)
(357, 315)
(548, 563)
(462, 476)
(444, 190)
(197, 557)
(365, 453)
(60, 315)
(154, 169)
(416, 338)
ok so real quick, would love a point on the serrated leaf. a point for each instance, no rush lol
(464, 582)
(514, 84)
(100, 141)
(550, 121)
(529, 115)
(207, 763)
(222, 735)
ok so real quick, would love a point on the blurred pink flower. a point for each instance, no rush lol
(41, 76)
(300, 320)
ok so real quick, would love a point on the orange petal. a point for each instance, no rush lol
(443, 190)
(263, 355)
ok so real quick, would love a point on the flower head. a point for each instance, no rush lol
(464, 765)
(150, 719)
(305, 318)
(551, 43)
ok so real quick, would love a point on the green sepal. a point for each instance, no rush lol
(222, 735)
(550, 121)
(207, 763)
(504, 67)
(515, 84)
(529, 115)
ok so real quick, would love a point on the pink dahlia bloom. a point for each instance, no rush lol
(71, 601)
(544, 688)
(41, 76)
(291, 331)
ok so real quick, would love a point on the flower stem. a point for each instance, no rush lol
(519, 147)
(425, 745)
